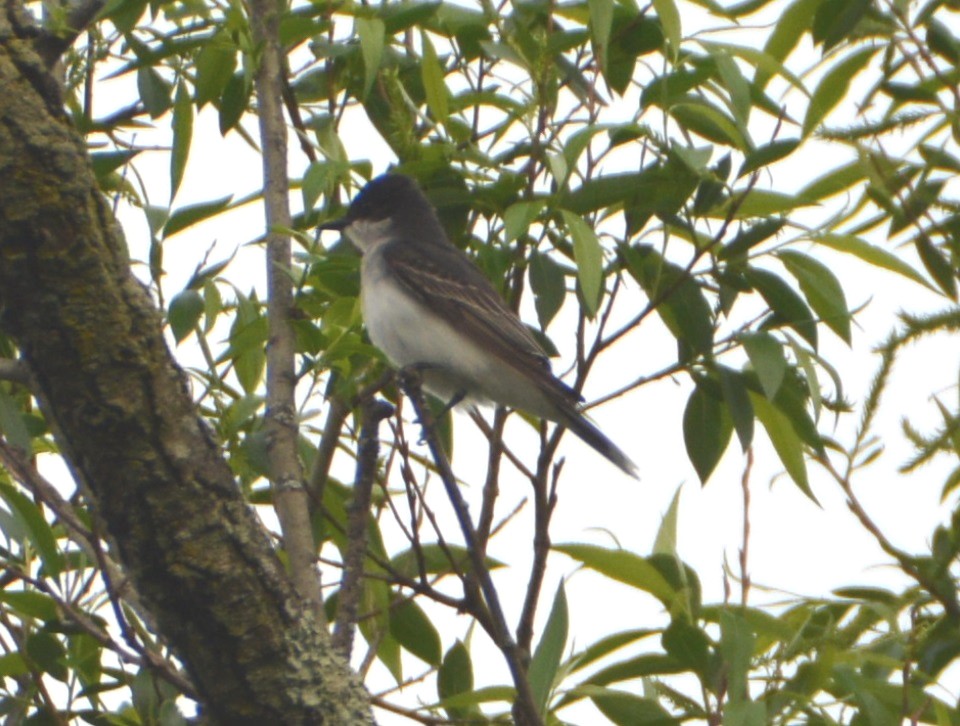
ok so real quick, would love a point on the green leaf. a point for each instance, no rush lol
(38, 530)
(234, 101)
(319, 178)
(736, 84)
(182, 136)
(834, 181)
(549, 651)
(666, 539)
(793, 22)
(648, 664)
(937, 265)
(938, 648)
(375, 600)
(787, 306)
(939, 158)
(680, 302)
(490, 694)
(48, 653)
(765, 155)
(400, 16)
(749, 237)
(762, 203)
(601, 21)
(28, 603)
(371, 34)
(916, 204)
(628, 709)
(518, 217)
(767, 359)
(792, 400)
(548, 283)
(413, 630)
(737, 398)
(215, 64)
(736, 647)
(436, 561)
(670, 20)
(658, 189)
(145, 695)
(745, 713)
(124, 14)
(707, 429)
(588, 255)
(834, 86)
(170, 715)
(835, 19)
(192, 214)
(434, 86)
(942, 42)
(767, 65)
(455, 677)
(822, 290)
(805, 360)
(184, 313)
(13, 426)
(248, 338)
(624, 567)
(12, 665)
(876, 256)
(785, 441)
(605, 646)
(154, 91)
(106, 162)
(711, 123)
(688, 645)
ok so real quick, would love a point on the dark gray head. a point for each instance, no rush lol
(392, 205)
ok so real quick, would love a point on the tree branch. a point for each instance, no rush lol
(526, 712)
(286, 474)
(52, 43)
(122, 414)
(368, 450)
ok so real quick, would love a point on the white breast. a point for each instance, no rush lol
(410, 334)
(397, 324)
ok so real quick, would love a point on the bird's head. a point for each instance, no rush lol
(390, 206)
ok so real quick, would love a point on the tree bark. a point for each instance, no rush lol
(122, 414)
(281, 424)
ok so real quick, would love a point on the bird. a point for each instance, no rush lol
(427, 305)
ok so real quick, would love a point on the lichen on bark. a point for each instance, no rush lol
(122, 414)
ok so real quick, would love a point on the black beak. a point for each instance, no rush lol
(337, 224)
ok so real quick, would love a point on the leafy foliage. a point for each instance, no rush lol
(587, 148)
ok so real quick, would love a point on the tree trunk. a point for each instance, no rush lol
(123, 416)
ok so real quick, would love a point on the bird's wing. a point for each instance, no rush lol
(447, 282)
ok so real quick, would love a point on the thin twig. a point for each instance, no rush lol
(745, 545)
(491, 432)
(907, 563)
(368, 450)
(491, 487)
(336, 416)
(526, 712)
(544, 502)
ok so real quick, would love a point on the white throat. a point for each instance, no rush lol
(368, 234)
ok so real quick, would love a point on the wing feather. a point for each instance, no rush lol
(448, 283)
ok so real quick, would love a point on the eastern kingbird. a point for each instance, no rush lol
(426, 304)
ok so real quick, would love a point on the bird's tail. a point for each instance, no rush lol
(581, 427)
